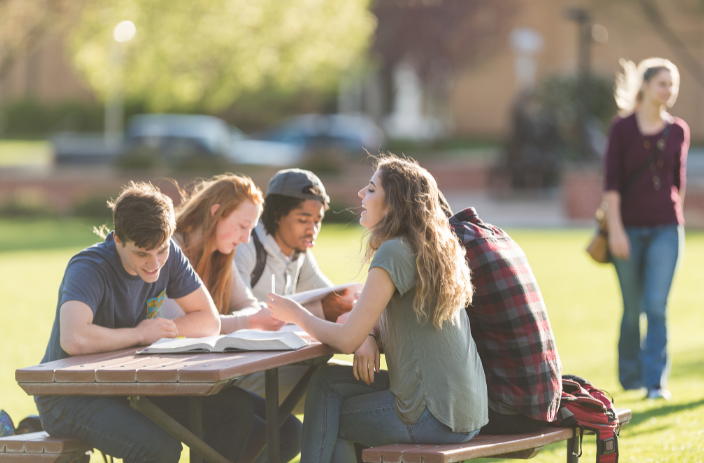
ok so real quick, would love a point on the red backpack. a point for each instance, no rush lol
(584, 407)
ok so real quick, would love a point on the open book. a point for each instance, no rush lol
(313, 295)
(233, 342)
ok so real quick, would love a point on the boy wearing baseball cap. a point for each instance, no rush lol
(294, 207)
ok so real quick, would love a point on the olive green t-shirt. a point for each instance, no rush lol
(438, 369)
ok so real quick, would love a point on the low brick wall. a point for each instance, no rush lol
(62, 188)
(582, 192)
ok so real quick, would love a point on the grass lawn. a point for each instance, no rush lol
(582, 299)
(24, 153)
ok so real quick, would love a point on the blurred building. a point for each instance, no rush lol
(46, 74)
(481, 94)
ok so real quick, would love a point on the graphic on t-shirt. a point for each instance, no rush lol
(154, 303)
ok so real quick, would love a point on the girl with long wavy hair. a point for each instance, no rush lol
(645, 176)
(212, 220)
(412, 305)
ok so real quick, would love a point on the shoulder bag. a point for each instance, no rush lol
(598, 248)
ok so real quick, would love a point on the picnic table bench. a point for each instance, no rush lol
(125, 373)
(512, 446)
(41, 448)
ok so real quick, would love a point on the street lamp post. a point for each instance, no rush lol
(114, 101)
(584, 42)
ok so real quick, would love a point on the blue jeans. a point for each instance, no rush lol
(645, 280)
(289, 437)
(341, 411)
(111, 426)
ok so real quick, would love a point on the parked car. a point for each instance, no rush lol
(172, 139)
(314, 132)
(83, 148)
(246, 150)
(178, 136)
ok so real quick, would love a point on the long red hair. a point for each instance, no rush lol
(194, 214)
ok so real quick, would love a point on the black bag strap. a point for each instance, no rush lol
(258, 270)
(653, 156)
(261, 259)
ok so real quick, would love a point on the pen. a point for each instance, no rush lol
(273, 283)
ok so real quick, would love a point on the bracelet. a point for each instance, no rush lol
(373, 337)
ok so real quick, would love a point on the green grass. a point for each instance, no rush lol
(24, 153)
(582, 299)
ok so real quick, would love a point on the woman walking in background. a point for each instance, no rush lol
(645, 168)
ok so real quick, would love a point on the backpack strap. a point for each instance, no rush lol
(261, 259)
(606, 446)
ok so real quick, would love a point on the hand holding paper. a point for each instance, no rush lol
(340, 302)
(284, 308)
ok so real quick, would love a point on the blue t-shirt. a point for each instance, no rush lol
(96, 277)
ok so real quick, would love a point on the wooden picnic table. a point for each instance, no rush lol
(126, 373)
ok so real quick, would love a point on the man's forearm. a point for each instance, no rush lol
(94, 339)
(197, 325)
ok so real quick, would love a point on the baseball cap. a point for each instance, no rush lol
(297, 183)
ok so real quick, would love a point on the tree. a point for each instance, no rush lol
(439, 38)
(206, 54)
(452, 33)
(23, 23)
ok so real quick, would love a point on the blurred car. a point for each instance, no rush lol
(178, 136)
(313, 132)
(83, 148)
(246, 150)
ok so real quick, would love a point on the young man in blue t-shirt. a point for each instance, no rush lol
(108, 300)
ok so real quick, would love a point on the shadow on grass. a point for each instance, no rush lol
(640, 417)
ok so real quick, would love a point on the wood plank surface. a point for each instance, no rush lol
(128, 373)
(127, 370)
(234, 365)
(127, 366)
(40, 442)
(44, 373)
(125, 389)
(479, 447)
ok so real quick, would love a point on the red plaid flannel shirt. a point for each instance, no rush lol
(509, 321)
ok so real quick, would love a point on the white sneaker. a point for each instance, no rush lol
(659, 393)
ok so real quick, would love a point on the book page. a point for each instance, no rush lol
(298, 330)
(166, 345)
(261, 340)
(305, 297)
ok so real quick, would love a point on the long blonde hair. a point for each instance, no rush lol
(194, 214)
(627, 91)
(414, 213)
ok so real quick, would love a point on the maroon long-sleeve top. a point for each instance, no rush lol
(643, 205)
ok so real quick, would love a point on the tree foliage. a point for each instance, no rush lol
(450, 33)
(206, 54)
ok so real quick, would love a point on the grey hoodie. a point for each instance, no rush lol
(294, 274)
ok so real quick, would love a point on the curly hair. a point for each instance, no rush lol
(194, 213)
(411, 195)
